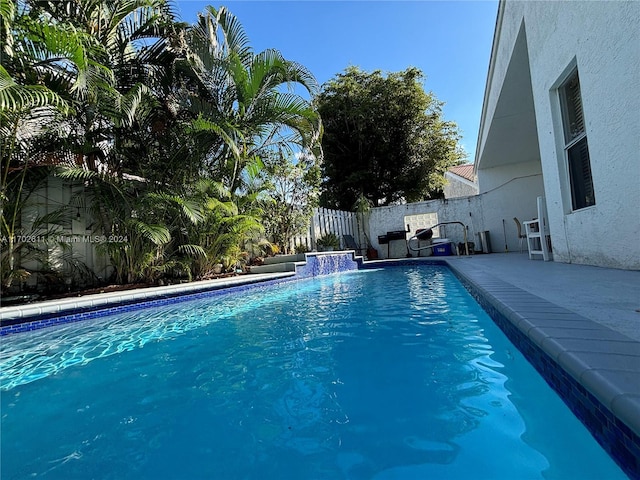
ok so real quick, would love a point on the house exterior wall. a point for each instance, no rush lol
(514, 198)
(601, 40)
(458, 187)
(491, 178)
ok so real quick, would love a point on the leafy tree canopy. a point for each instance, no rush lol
(384, 138)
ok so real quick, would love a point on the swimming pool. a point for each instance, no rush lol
(396, 373)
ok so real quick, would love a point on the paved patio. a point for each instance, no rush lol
(606, 296)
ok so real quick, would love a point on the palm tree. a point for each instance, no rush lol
(130, 56)
(105, 62)
(28, 110)
(240, 104)
(115, 88)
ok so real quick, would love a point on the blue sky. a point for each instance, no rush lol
(450, 41)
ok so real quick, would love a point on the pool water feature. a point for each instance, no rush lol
(395, 373)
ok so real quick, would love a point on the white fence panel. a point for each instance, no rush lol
(324, 221)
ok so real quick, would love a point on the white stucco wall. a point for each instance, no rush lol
(493, 178)
(484, 212)
(515, 198)
(602, 40)
(458, 187)
(385, 219)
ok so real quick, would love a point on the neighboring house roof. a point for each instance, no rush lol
(464, 171)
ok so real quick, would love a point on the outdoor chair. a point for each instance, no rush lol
(521, 236)
(350, 244)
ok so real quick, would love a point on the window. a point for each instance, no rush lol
(575, 139)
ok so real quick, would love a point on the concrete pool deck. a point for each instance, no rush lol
(607, 296)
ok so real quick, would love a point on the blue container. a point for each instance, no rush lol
(442, 250)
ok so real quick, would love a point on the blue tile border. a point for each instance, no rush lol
(21, 324)
(316, 264)
(612, 434)
(404, 262)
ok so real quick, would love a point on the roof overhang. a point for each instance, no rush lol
(508, 134)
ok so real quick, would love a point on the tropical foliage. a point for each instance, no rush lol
(163, 126)
(293, 185)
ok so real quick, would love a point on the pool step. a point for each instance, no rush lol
(288, 263)
(285, 258)
(275, 267)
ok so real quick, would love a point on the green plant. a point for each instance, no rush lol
(362, 207)
(328, 240)
(292, 190)
(239, 107)
(135, 111)
(301, 248)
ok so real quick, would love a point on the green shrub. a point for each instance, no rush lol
(329, 240)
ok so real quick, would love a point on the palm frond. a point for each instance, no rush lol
(243, 224)
(7, 16)
(7, 11)
(77, 173)
(223, 32)
(18, 98)
(156, 234)
(209, 187)
(193, 250)
(254, 167)
(225, 131)
(109, 188)
(190, 208)
(215, 206)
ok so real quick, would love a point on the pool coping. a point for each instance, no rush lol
(604, 360)
(15, 316)
(21, 318)
(595, 369)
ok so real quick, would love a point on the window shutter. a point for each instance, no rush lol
(574, 123)
(577, 150)
(580, 172)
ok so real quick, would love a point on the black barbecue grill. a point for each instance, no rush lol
(393, 235)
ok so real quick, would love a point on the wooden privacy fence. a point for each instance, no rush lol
(326, 221)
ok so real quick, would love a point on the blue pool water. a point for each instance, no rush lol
(389, 374)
